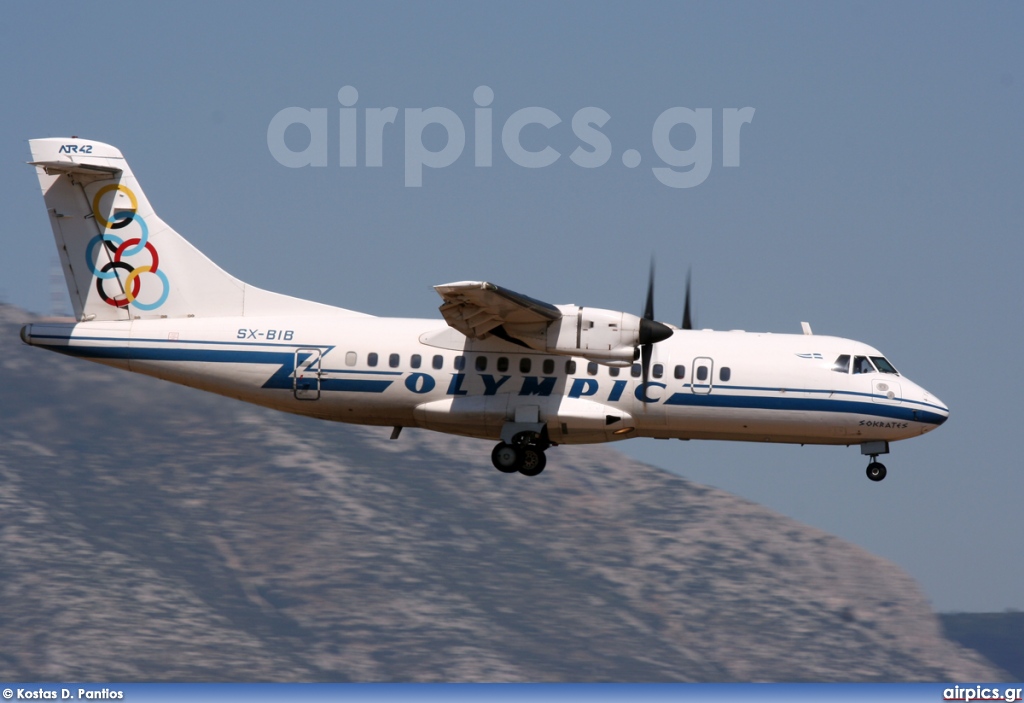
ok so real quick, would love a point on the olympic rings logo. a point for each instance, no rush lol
(121, 248)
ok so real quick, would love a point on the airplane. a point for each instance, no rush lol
(501, 365)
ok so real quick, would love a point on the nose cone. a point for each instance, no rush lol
(933, 410)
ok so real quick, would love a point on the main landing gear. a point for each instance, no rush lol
(525, 455)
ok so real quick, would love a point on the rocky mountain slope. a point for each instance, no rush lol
(152, 532)
(999, 637)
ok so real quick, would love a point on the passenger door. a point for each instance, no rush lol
(306, 378)
(703, 375)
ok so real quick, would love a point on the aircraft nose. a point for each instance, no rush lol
(938, 411)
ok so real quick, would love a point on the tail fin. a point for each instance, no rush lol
(123, 262)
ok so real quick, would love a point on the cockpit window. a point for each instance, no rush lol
(861, 364)
(842, 364)
(884, 366)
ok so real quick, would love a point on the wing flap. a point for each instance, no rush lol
(475, 308)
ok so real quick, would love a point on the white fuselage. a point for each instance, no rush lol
(421, 373)
(501, 365)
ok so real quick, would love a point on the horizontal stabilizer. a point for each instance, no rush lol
(77, 169)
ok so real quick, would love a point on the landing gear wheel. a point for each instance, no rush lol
(876, 471)
(533, 461)
(506, 458)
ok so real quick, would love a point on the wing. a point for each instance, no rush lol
(478, 309)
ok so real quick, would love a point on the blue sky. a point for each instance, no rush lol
(877, 197)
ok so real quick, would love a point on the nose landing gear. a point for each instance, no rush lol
(876, 470)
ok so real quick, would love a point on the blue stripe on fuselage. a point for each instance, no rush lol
(281, 379)
(285, 360)
(755, 402)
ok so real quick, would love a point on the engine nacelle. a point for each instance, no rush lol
(609, 336)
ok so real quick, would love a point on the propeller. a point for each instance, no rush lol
(651, 332)
(687, 318)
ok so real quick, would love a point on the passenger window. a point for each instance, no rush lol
(438, 361)
(658, 371)
(883, 365)
(613, 371)
(842, 364)
(481, 363)
(724, 373)
(549, 366)
(702, 373)
(570, 367)
(394, 360)
(861, 364)
(459, 363)
(415, 361)
(634, 371)
(592, 368)
(680, 372)
(371, 359)
(524, 365)
(351, 358)
(502, 363)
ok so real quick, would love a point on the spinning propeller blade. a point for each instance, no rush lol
(651, 332)
(687, 318)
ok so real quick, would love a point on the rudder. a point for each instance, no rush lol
(120, 260)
